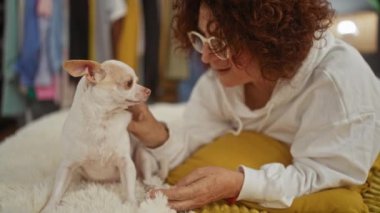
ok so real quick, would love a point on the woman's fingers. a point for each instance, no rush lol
(185, 205)
(187, 197)
(146, 128)
(202, 186)
(192, 177)
(180, 199)
(176, 193)
(138, 111)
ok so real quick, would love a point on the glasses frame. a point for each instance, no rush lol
(208, 41)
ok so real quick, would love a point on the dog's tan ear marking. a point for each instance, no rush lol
(78, 68)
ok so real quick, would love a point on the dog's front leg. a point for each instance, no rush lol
(62, 181)
(143, 164)
(128, 179)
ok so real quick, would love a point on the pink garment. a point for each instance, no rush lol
(49, 92)
(44, 8)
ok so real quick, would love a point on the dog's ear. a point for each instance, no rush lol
(77, 68)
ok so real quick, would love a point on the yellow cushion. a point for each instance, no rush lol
(253, 150)
(371, 189)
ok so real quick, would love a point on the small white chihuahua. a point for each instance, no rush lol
(95, 138)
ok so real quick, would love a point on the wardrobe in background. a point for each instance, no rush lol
(38, 35)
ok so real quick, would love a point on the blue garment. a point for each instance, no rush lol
(50, 29)
(55, 37)
(196, 68)
(43, 75)
(27, 64)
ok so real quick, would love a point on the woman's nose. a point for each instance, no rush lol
(206, 54)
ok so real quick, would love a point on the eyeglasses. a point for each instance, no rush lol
(216, 45)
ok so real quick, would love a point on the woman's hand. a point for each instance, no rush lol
(146, 128)
(202, 186)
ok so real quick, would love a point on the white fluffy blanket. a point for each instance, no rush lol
(28, 162)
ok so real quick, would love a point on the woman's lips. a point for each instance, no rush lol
(222, 70)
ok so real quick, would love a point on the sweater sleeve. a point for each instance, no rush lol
(201, 123)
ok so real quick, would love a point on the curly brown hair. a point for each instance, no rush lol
(279, 33)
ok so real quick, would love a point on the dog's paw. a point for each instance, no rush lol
(154, 181)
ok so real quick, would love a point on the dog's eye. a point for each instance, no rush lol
(129, 84)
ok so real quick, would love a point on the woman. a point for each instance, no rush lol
(274, 69)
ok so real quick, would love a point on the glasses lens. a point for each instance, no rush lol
(196, 41)
(218, 46)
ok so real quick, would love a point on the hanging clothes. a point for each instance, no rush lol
(119, 11)
(56, 36)
(91, 29)
(128, 42)
(102, 33)
(141, 44)
(165, 28)
(27, 64)
(21, 18)
(45, 82)
(43, 76)
(13, 102)
(50, 14)
(78, 28)
(65, 88)
(152, 36)
(44, 8)
(105, 13)
(79, 31)
(173, 62)
(56, 47)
